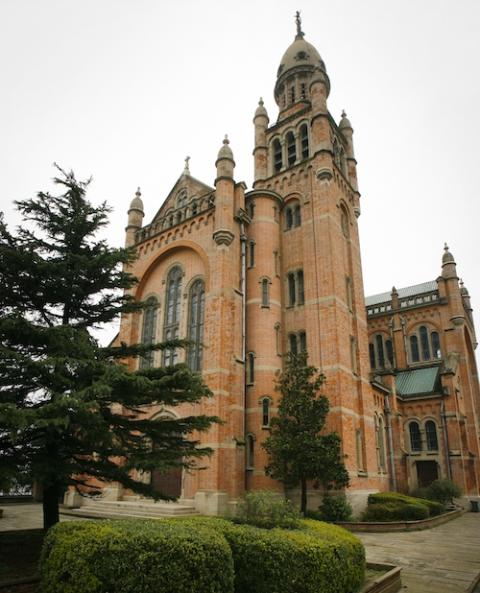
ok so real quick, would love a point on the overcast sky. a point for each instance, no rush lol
(123, 90)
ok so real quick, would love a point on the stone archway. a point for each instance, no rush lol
(427, 472)
(170, 482)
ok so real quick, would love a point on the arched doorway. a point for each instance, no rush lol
(167, 482)
(427, 472)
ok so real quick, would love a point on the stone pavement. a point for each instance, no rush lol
(444, 559)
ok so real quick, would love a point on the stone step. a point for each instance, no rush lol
(92, 511)
(127, 507)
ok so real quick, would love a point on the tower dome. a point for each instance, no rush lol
(296, 69)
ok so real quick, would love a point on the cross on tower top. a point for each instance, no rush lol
(298, 21)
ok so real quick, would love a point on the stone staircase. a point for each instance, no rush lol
(122, 509)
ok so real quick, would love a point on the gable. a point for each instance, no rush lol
(185, 189)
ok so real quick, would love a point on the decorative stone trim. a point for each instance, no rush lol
(223, 237)
(324, 174)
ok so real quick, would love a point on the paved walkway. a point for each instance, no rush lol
(445, 559)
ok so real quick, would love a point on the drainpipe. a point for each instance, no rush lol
(388, 414)
(445, 434)
(243, 283)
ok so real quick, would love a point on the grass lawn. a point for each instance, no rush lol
(19, 555)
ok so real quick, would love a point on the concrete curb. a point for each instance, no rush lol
(362, 526)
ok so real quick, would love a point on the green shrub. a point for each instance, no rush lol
(443, 491)
(394, 511)
(316, 557)
(268, 510)
(135, 555)
(435, 508)
(335, 508)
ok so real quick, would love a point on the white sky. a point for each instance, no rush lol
(124, 89)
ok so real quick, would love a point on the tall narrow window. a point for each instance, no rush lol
(276, 263)
(251, 209)
(277, 327)
(437, 353)
(292, 94)
(292, 340)
(348, 290)
(251, 254)
(194, 208)
(291, 289)
(431, 435)
(353, 354)
(302, 339)
(291, 149)
(380, 352)
(300, 288)
(359, 449)
(288, 219)
(172, 313)
(424, 342)
(414, 348)
(389, 348)
(277, 156)
(149, 330)
(250, 451)
(265, 411)
(195, 324)
(304, 141)
(371, 351)
(297, 217)
(250, 367)
(303, 91)
(345, 223)
(415, 436)
(381, 444)
(265, 296)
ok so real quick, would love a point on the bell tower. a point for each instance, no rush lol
(304, 279)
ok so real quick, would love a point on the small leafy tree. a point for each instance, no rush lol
(69, 408)
(297, 447)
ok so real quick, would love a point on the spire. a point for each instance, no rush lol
(298, 20)
(225, 152)
(449, 268)
(186, 169)
(261, 109)
(344, 122)
(447, 256)
(137, 203)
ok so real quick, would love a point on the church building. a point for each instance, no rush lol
(253, 274)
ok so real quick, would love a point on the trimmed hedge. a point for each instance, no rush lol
(266, 509)
(317, 557)
(204, 554)
(129, 556)
(391, 511)
(434, 508)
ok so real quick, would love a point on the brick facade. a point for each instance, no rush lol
(281, 267)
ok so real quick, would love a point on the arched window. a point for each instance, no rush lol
(182, 199)
(292, 94)
(277, 155)
(371, 351)
(415, 436)
(437, 353)
(251, 254)
(196, 314)
(389, 348)
(266, 411)
(291, 149)
(431, 435)
(381, 444)
(344, 222)
(149, 330)
(425, 343)
(194, 208)
(300, 288)
(288, 219)
(292, 339)
(250, 451)
(292, 293)
(297, 217)
(250, 368)
(171, 325)
(380, 352)
(414, 348)
(265, 291)
(304, 141)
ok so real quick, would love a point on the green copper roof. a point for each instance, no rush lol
(418, 381)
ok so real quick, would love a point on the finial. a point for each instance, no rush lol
(343, 113)
(138, 193)
(445, 247)
(260, 102)
(298, 21)
(226, 140)
(461, 283)
(186, 169)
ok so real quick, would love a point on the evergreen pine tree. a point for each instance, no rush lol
(69, 407)
(297, 447)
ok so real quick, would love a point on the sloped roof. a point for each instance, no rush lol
(385, 297)
(418, 381)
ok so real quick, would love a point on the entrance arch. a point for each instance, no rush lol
(170, 482)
